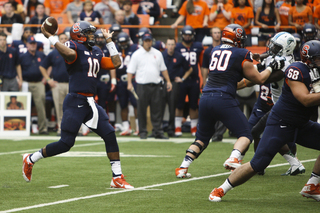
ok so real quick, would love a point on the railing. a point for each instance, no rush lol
(176, 33)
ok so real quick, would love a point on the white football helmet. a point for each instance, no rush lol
(282, 44)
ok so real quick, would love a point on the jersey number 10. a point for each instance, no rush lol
(94, 67)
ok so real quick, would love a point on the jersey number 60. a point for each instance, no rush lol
(220, 60)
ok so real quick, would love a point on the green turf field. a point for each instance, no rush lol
(84, 175)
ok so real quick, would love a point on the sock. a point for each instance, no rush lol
(226, 186)
(194, 123)
(137, 125)
(314, 179)
(125, 125)
(186, 162)
(178, 121)
(235, 154)
(112, 118)
(35, 157)
(116, 168)
(292, 160)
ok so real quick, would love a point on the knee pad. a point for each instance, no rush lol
(200, 147)
(111, 142)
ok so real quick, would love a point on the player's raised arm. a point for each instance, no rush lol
(115, 58)
(67, 53)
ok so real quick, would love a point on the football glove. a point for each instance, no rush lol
(113, 85)
(316, 86)
(276, 64)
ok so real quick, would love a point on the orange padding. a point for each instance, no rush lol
(106, 63)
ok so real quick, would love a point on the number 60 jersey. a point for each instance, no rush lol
(225, 68)
(84, 69)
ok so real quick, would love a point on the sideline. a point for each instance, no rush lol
(130, 190)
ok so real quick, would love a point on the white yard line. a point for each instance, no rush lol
(130, 190)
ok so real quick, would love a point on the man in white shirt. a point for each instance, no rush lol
(147, 63)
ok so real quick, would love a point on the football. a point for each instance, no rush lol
(51, 25)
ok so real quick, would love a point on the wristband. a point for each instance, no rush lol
(53, 40)
(112, 49)
(113, 81)
(182, 79)
(217, 11)
(270, 69)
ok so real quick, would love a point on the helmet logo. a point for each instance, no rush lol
(305, 50)
(239, 32)
(289, 41)
(76, 27)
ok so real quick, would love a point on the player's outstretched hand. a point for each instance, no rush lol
(277, 64)
(44, 32)
(107, 34)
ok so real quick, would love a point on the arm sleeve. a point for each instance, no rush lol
(106, 63)
(163, 66)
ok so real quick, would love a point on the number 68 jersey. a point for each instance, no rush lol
(225, 68)
(288, 105)
(84, 69)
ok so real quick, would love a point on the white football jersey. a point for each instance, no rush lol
(276, 87)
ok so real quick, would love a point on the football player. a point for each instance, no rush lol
(125, 49)
(192, 51)
(288, 122)
(230, 62)
(83, 60)
(281, 46)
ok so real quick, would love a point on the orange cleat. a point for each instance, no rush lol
(120, 183)
(26, 168)
(216, 195)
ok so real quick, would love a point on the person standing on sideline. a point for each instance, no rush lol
(10, 69)
(288, 122)
(192, 51)
(59, 80)
(80, 54)
(149, 88)
(230, 62)
(30, 62)
(174, 62)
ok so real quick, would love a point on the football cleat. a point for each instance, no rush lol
(178, 131)
(216, 195)
(193, 131)
(126, 132)
(232, 163)
(26, 168)
(136, 133)
(120, 183)
(311, 191)
(182, 173)
(295, 170)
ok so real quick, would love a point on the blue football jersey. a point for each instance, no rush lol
(84, 70)
(125, 56)
(192, 55)
(288, 107)
(264, 101)
(225, 68)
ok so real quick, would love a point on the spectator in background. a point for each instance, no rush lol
(196, 13)
(283, 8)
(10, 69)
(30, 62)
(89, 15)
(267, 16)
(175, 62)
(73, 11)
(39, 18)
(147, 73)
(131, 18)
(107, 8)
(316, 15)
(21, 45)
(30, 7)
(220, 14)
(58, 79)
(242, 14)
(17, 8)
(56, 6)
(10, 18)
(299, 15)
(150, 7)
